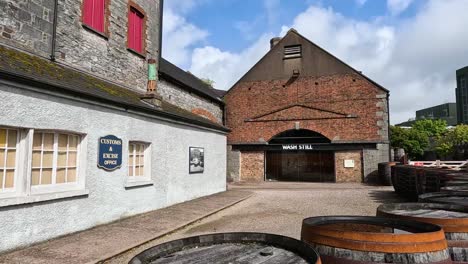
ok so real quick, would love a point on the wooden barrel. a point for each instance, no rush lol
(452, 218)
(365, 239)
(385, 173)
(230, 248)
(456, 198)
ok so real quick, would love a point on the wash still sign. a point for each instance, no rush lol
(110, 153)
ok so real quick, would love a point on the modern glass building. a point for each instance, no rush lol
(462, 95)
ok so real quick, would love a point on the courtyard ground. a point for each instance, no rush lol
(279, 208)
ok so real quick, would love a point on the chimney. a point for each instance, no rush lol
(274, 41)
(152, 95)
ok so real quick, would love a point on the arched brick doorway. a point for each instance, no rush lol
(298, 160)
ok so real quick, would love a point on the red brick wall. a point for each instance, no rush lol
(329, 98)
(252, 166)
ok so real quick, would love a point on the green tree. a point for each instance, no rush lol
(446, 144)
(208, 81)
(432, 127)
(413, 141)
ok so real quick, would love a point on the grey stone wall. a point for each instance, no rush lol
(383, 116)
(27, 24)
(371, 160)
(233, 165)
(188, 101)
(108, 58)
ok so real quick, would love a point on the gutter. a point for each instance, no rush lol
(54, 31)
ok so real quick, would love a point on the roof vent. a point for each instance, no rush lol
(294, 51)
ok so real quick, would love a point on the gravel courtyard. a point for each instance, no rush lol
(277, 207)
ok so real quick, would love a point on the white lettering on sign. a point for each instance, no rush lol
(110, 156)
(111, 141)
(289, 147)
(298, 147)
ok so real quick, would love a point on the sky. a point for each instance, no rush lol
(411, 47)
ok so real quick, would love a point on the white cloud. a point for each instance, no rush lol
(398, 6)
(225, 68)
(179, 37)
(415, 58)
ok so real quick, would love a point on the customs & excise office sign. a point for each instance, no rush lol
(110, 153)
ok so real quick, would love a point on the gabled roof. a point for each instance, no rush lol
(187, 80)
(34, 71)
(289, 34)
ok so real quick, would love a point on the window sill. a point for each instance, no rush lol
(101, 34)
(141, 55)
(36, 198)
(138, 184)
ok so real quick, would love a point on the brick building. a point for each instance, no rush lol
(88, 134)
(301, 114)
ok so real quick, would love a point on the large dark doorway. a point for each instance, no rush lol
(294, 163)
(300, 166)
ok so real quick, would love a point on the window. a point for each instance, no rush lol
(136, 27)
(54, 158)
(138, 161)
(94, 14)
(8, 153)
(291, 52)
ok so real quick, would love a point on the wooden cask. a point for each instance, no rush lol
(230, 248)
(452, 218)
(364, 239)
(455, 198)
(385, 172)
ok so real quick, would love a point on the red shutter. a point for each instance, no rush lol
(94, 14)
(135, 30)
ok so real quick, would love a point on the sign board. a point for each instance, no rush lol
(297, 147)
(110, 153)
(349, 163)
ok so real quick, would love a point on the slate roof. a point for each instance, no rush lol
(38, 72)
(189, 81)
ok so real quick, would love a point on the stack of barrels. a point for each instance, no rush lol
(434, 230)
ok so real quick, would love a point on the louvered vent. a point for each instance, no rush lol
(292, 51)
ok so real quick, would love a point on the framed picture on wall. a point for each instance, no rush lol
(197, 160)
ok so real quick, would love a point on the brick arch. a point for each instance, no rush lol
(300, 134)
(206, 114)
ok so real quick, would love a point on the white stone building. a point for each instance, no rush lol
(80, 147)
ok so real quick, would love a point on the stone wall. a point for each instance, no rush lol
(371, 159)
(252, 166)
(190, 101)
(107, 57)
(233, 164)
(348, 174)
(27, 24)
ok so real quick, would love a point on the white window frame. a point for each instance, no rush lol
(24, 192)
(13, 191)
(61, 187)
(146, 178)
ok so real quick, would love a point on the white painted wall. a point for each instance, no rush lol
(108, 200)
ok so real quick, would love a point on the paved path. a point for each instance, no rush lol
(105, 241)
(279, 208)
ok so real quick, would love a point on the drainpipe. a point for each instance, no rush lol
(54, 31)
(388, 130)
(161, 10)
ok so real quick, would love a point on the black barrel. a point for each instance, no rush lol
(385, 173)
(456, 198)
(452, 218)
(230, 248)
(364, 239)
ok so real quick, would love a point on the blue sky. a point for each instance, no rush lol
(412, 47)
